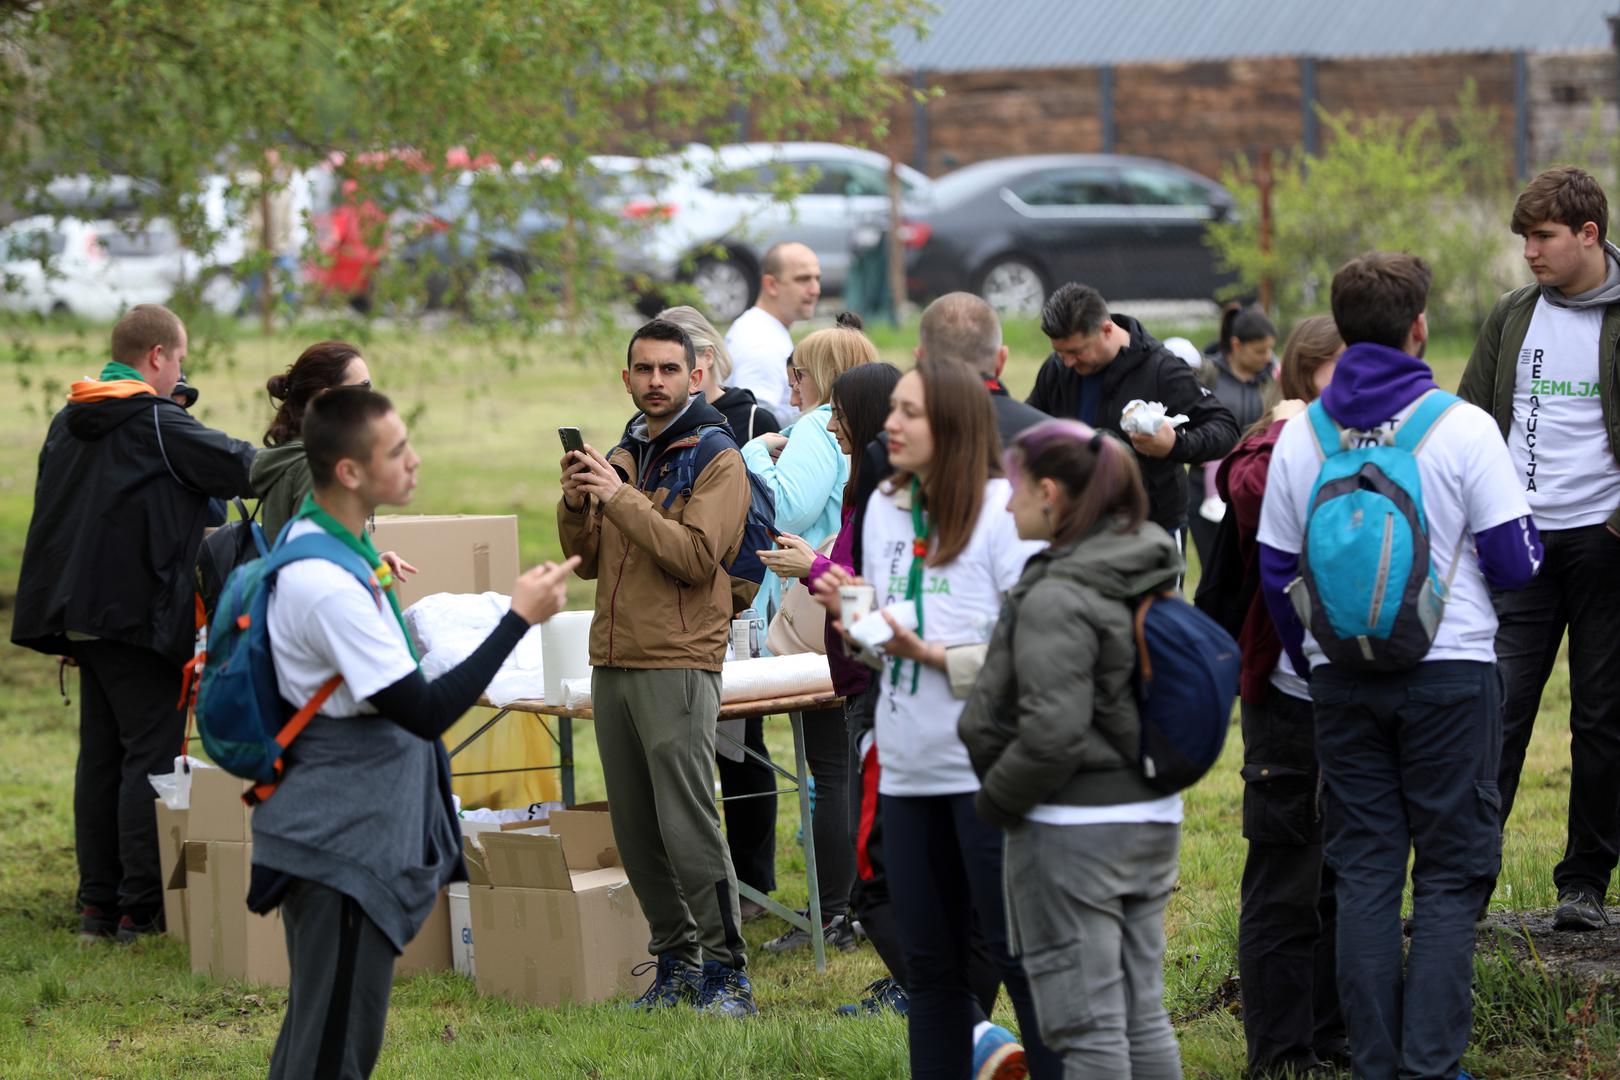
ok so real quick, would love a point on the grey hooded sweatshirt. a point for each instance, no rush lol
(1053, 717)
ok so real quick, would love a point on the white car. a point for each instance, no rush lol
(712, 220)
(98, 269)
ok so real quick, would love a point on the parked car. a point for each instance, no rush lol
(96, 269)
(1013, 229)
(713, 219)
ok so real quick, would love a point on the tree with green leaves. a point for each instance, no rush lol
(173, 91)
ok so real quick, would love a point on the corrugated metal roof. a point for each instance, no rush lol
(990, 35)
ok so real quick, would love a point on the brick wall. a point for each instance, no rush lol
(1203, 115)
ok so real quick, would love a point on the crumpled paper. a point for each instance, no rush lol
(1147, 417)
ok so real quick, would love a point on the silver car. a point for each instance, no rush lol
(711, 219)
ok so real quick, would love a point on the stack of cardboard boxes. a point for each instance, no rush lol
(207, 854)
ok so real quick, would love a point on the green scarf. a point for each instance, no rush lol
(914, 580)
(362, 546)
(115, 371)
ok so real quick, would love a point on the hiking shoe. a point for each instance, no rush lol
(996, 1054)
(131, 931)
(885, 995)
(749, 910)
(1580, 908)
(676, 983)
(837, 932)
(96, 925)
(726, 992)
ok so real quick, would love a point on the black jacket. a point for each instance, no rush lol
(746, 416)
(119, 507)
(1147, 370)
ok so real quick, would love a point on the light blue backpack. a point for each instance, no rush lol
(1367, 587)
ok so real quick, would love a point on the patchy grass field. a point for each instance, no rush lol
(483, 414)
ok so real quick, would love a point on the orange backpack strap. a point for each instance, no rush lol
(290, 731)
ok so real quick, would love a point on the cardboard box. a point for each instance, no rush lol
(459, 553)
(171, 825)
(227, 940)
(230, 942)
(546, 930)
(217, 810)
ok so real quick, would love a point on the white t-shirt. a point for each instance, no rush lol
(323, 623)
(760, 345)
(1467, 488)
(1162, 811)
(916, 733)
(1559, 443)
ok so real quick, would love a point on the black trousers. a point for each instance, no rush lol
(1578, 589)
(1287, 918)
(342, 972)
(869, 896)
(130, 726)
(751, 822)
(826, 751)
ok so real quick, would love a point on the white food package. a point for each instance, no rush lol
(1147, 417)
(175, 788)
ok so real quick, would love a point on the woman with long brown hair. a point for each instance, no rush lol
(280, 472)
(937, 539)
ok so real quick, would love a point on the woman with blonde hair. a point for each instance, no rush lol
(746, 416)
(806, 471)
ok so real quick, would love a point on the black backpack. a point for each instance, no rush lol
(226, 548)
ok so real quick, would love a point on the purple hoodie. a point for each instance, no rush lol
(1371, 385)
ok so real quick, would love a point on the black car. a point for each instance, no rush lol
(1013, 229)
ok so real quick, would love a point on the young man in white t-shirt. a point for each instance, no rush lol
(1409, 758)
(1544, 365)
(360, 835)
(759, 341)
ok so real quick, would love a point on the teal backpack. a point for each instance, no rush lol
(244, 721)
(1367, 588)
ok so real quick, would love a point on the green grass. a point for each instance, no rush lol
(482, 414)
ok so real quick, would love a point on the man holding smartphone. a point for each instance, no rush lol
(655, 522)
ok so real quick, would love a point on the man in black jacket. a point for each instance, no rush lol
(1099, 364)
(108, 581)
(961, 326)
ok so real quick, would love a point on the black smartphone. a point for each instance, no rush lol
(572, 441)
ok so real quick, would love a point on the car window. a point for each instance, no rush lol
(1161, 187)
(138, 243)
(757, 180)
(25, 244)
(1070, 187)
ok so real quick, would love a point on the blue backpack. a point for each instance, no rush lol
(1186, 680)
(677, 469)
(1367, 587)
(244, 722)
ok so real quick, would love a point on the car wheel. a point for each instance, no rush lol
(496, 290)
(1012, 287)
(726, 287)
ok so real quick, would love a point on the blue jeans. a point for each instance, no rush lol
(944, 876)
(1409, 761)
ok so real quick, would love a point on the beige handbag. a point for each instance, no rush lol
(801, 624)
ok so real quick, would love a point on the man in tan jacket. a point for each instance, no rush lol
(655, 522)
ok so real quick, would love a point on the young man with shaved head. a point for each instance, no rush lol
(108, 583)
(759, 341)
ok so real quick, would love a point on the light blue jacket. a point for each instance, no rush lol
(808, 482)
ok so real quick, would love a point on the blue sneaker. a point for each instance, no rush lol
(885, 995)
(676, 983)
(996, 1054)
(726, 991)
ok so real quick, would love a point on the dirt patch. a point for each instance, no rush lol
(1589, 957)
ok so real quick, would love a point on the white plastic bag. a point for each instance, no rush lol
(175, 788)
(1147, 417)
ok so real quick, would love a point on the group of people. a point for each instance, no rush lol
(981, 811)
